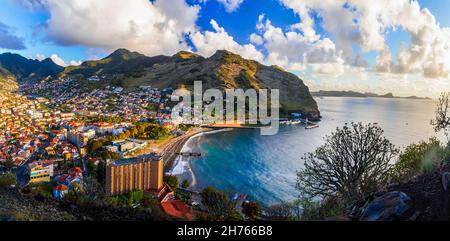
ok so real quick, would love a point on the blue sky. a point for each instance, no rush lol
(33, 29)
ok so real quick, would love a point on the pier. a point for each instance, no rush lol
(189, 154)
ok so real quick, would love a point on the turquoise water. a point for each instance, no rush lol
(264, 167)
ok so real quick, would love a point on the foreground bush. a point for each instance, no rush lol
(418, 158)
(8, 179)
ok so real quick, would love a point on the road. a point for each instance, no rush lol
(22, 171)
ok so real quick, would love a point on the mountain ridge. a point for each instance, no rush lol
(24, 69)
(350, 93)
(223, 70)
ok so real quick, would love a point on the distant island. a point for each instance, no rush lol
(336, 93)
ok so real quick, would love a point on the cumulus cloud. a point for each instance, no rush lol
(366, 24)
(231, 5)
(208, 42)
(8, 40)
(40, 57)
(294, 50)
(256, 39)
(157, 27)
(58, 60)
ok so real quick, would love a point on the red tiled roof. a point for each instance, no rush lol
(178, 209)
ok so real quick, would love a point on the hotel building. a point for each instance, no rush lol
(40, 171)
(141, 173)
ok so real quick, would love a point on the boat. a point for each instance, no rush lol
(311, 127)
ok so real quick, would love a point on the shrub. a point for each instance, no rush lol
(251, 209)
(217, 202)
(128, 199)
(172, 181)
(185, 184)
(282, 212)
(8, 179)
(418, 158)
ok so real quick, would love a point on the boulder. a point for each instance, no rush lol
(387, 207)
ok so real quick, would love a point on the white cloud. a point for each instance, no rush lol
(366, 24)
(139, 25)
(294, 51)
(256, 39)
(57, 60)
(40, 57)
(231, 5)
(208, 42)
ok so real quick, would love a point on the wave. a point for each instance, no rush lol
(182, 166)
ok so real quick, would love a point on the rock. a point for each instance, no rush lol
(388, 207)
(414, 216)
(446, 180)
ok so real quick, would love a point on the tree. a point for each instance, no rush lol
(355, 159)
(281, 212)
(251, 209)
(110, 155)
(8, 179)
(100, 172)
(217, 202)
(185, 184)
(172, 181)
(91, 167)
(95, 145)
(9, 164)
(442, 121)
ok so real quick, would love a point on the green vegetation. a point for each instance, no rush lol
(184, 196)
(252, 209)
(361, 155)
(9, 163)
(141, 130)
(97, 171)
(418, 158)
(442, 120)
(185, 184)
(218, 204)
(44, 188)
(8, 179)
(282, 212)
(111, 120)
(152, 203)
(172, 181)
(128, 199)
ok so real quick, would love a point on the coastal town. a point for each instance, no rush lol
(57, 136)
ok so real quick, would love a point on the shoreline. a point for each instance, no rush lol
(182, 166)
(173, 146)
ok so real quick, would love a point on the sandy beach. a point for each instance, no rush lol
(181, 166)
(169, 149)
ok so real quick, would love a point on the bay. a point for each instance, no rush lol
(264, 167)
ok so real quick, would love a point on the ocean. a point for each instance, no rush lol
(264, 167)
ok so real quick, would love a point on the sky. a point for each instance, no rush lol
(400, 46)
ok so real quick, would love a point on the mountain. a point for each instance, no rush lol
(24, 69)
(120, 62)
(222, 70)
(337, 93)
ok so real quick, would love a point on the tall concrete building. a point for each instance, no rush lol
(141, 173)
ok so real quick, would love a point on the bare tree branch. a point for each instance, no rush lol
(354, 159)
